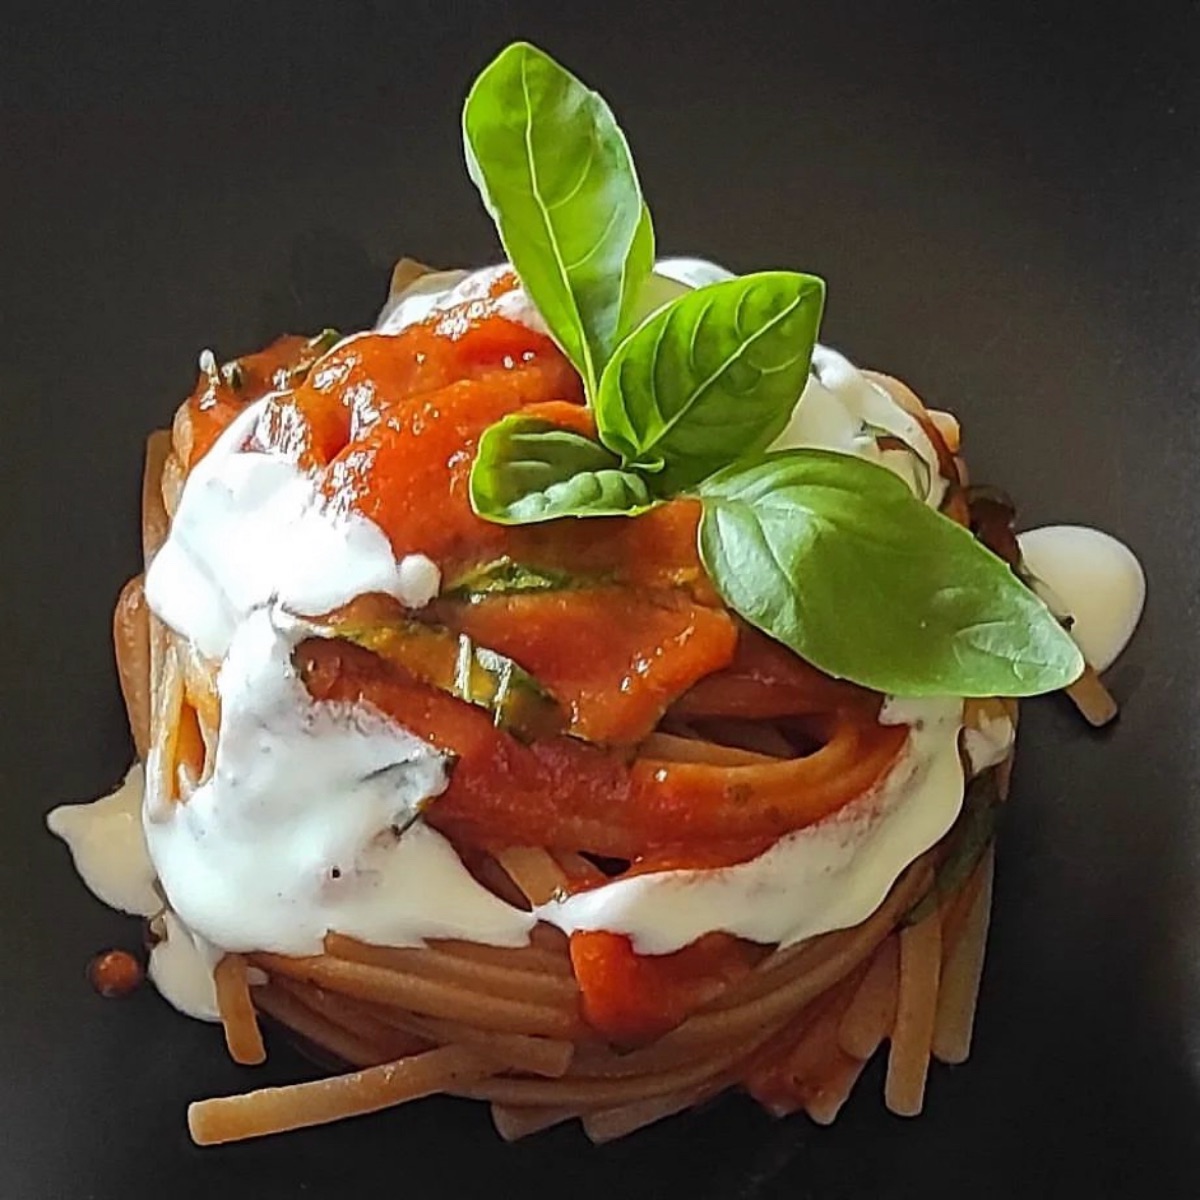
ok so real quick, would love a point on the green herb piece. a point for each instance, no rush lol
(528, 470)
(711, 377)
(453, 663)
(503, 576)
(835, 558)
(555, 173)
(315, 348)
(325, 340)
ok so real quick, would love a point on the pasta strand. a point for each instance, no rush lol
(274, 1110)
(242, 1034)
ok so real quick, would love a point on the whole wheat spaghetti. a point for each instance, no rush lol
(553, 696)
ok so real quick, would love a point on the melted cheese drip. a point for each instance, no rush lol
(182, 966)
(109, 848)
(1095, 580)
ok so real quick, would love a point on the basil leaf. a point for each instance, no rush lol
(528, 470)
(656, 292)
(555, 172)
(711, 377)
(834, 557)
(637, 273)
(505, 576)
(455, 663)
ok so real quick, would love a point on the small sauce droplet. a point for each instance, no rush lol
(115, 973)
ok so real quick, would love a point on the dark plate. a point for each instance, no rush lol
(1005, 205)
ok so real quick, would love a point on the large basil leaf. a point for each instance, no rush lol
(637, 273)
(555, 172)
(834, 557)
(711, 377)
(528, 470)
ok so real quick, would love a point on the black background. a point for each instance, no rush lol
(1005, 202)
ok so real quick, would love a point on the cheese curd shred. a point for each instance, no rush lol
(325, 830)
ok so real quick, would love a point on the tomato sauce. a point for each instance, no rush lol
(615, 656)
(115, 973)
(221, 394)
(390, 424)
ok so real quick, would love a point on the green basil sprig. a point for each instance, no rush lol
(527, 470)
(831, 555)
(555, 172)
(710, 377)
(836, 558)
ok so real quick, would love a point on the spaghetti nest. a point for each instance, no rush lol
(679, 738)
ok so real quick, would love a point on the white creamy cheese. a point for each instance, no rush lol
(182, 966)
(841, 409)
(443, 290)
(989, 742)
(297, 831)
(1096, 579)
(109, 848)
(250, 866)
(249, 861)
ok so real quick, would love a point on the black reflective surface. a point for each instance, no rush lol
(1004, 200)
